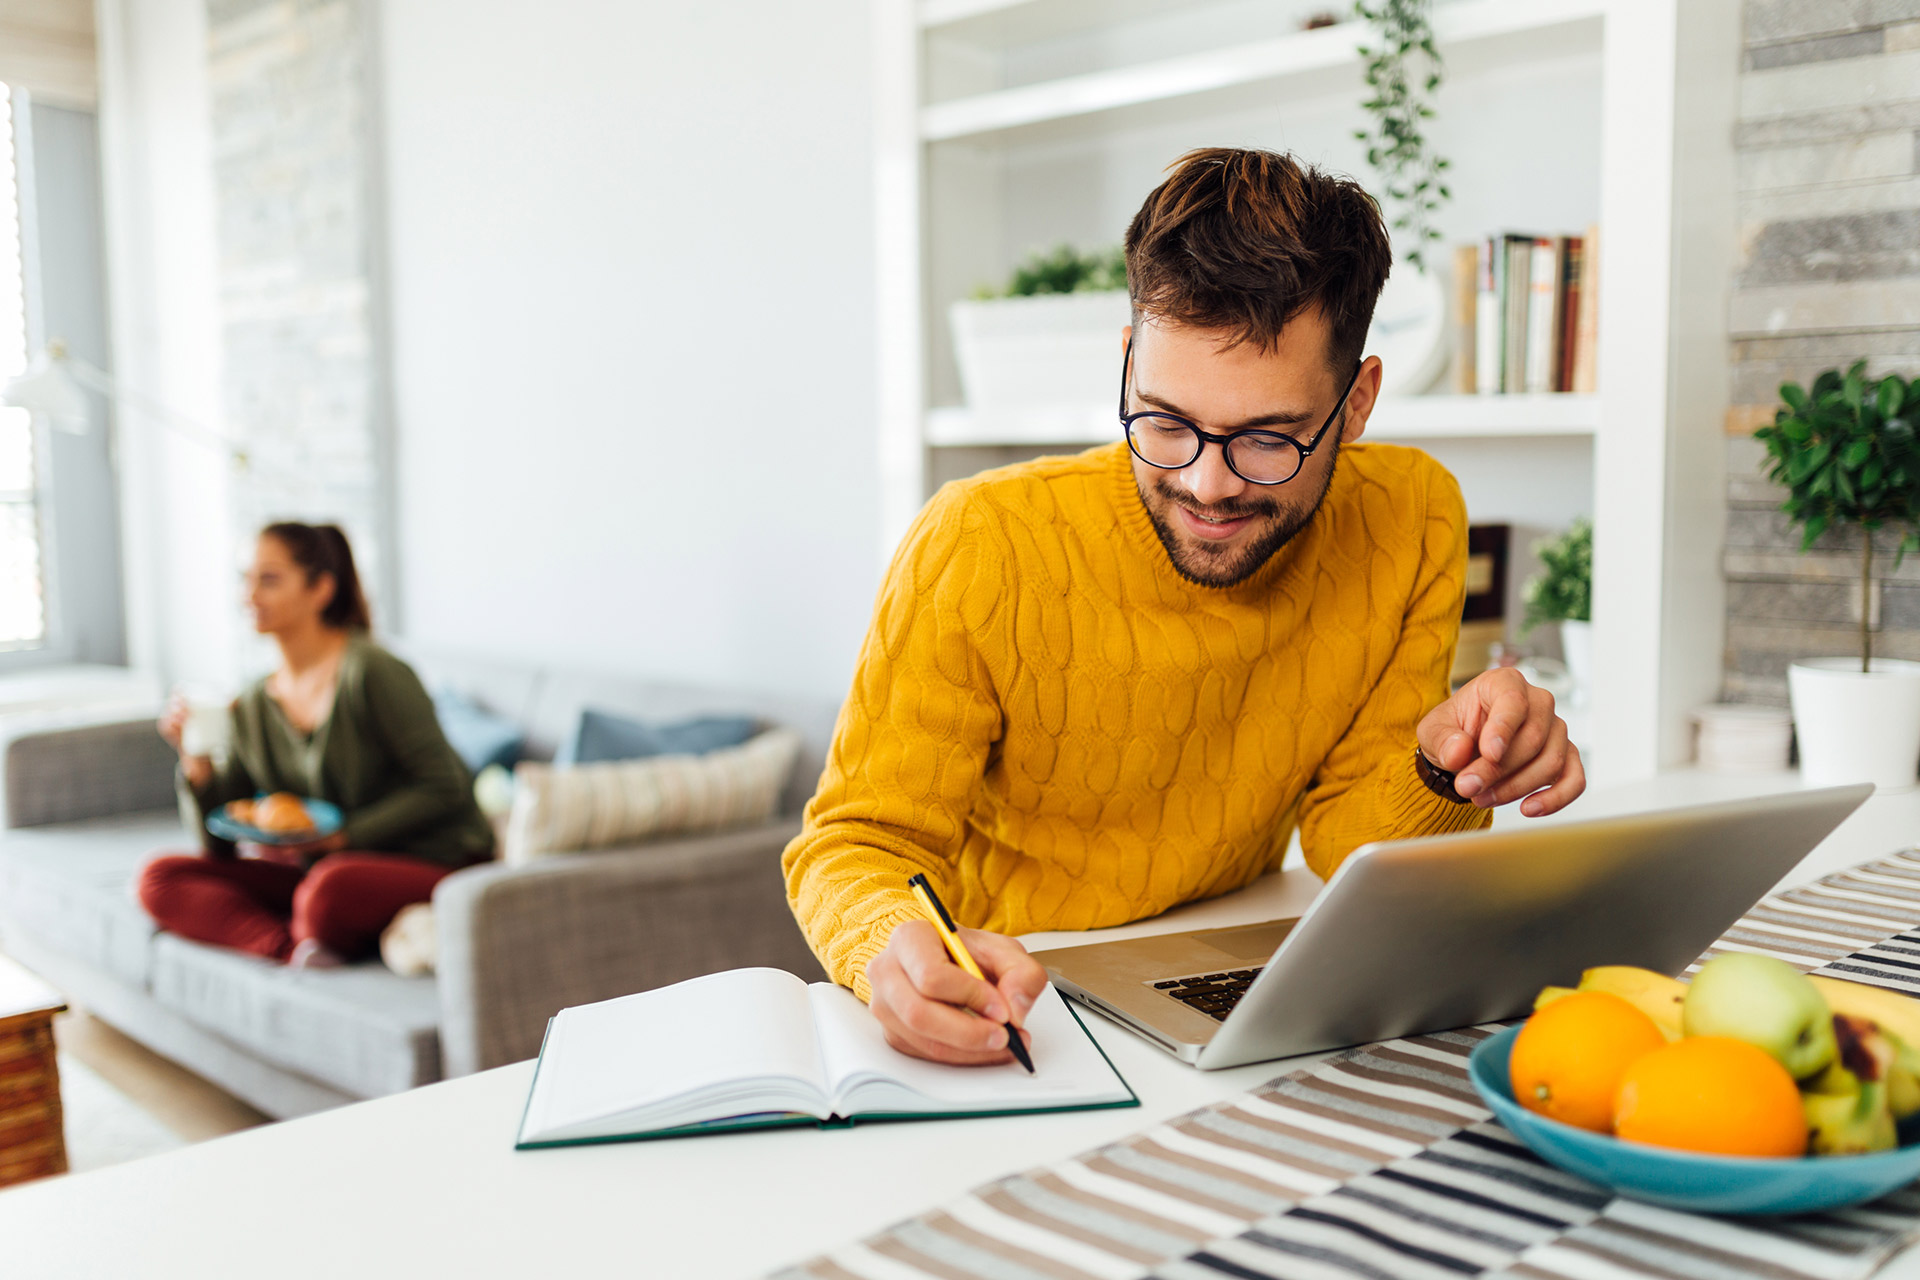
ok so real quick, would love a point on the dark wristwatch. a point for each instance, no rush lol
(1436, 780)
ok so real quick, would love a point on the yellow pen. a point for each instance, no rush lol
(936, 912)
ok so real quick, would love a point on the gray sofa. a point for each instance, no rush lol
(85, 807)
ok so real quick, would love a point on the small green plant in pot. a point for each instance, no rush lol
(1848, 453)
(1563, 592)
(1051, 338)
(1063, 270)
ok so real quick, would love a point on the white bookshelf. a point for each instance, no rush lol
(1397, 418)
(1521, 29)
(1009, 125)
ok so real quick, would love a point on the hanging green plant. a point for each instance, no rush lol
(1403, 72)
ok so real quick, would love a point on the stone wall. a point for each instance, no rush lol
(1829, 169)
(303, 375)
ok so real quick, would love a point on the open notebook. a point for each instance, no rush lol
(758, 1048)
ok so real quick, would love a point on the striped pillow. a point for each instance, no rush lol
(622, 802)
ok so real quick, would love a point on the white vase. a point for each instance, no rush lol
(1576, 647)
(1857, 726)
(1051, 349)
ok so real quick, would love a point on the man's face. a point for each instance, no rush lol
(1217, 528)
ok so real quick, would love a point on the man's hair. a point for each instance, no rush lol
(1243, 241)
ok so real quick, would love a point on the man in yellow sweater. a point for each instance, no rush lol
(1096, 687)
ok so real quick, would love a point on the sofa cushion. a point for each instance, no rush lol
(621, 802)
(479, 736)
(362, 1028)
(71, 887)
(600, 737)
(564, 695)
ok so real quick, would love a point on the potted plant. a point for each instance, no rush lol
(1846, 451)
(1051, 338)
(1563, 593)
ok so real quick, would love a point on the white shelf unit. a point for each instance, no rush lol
(1397, 418)
(1004, 126)
(1524, 27)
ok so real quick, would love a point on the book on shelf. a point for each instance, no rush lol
(763, 1049)
(1466, 301)
(1534, 322)
(1483, 615)
(1515, 288)
(1586, 342)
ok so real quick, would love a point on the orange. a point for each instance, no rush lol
(1711, 1093)
(1568, 1059)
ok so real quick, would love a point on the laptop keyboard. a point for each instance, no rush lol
(1213, 994)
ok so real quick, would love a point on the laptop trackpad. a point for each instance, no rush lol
(1248, 942)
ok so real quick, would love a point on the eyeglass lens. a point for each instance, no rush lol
(1262, 457)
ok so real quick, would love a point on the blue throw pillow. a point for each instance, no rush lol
(478, 736)
(600, 737)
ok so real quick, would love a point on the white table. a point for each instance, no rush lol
(427, 1183)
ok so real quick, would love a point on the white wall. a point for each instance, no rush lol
(180, 550)
(631, 308)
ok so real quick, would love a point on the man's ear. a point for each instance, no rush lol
(1360, 401)
(1126, 336)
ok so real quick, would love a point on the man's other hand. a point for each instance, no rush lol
(1499, 737)
(932, 1008)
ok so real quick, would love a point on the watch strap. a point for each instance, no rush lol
(1435, 779)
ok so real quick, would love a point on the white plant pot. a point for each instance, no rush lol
(1857, 726)
(1051, 349)
(1576, 646)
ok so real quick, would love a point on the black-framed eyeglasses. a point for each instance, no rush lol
(1170, 442)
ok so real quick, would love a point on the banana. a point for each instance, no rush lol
(1549, 994)
(1903, 1085)
(1897, 1014)
(1654, 994)
(1898, 1019)
(1851, 1119)
(1846, 1105)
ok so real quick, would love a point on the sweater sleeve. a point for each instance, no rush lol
(1367, 789)
(431, 783)
(914, 738)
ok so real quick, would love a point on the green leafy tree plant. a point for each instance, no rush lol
(1064, 270)
(1564, 591)
(1403, 72)
(1847, 452)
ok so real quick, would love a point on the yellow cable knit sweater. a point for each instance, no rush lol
(1063, 733)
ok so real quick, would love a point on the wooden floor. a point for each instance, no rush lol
(171, 1094)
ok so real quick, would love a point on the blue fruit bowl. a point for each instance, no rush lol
(1682, 1179)
(326, 820)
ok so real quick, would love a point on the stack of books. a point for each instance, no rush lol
(1527, 314)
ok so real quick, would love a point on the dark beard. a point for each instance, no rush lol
(1205, 567)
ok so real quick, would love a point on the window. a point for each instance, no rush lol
(23, 614)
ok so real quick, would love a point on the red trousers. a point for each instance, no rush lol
(266, 907)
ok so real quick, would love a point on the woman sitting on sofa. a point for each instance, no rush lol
(341, 720)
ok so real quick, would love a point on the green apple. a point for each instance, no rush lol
(1766, 1002)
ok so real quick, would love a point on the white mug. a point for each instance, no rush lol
(205, 732)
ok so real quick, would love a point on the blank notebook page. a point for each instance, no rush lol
(1069, 1068)
(622, 1054)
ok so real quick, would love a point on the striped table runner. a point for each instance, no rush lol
(1381, 1163)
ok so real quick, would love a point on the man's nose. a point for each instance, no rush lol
(1209, 479)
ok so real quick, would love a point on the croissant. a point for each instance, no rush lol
(282, 813)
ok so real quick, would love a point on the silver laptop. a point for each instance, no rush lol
(1412, 936)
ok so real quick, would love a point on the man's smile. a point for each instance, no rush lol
(1214, 528)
